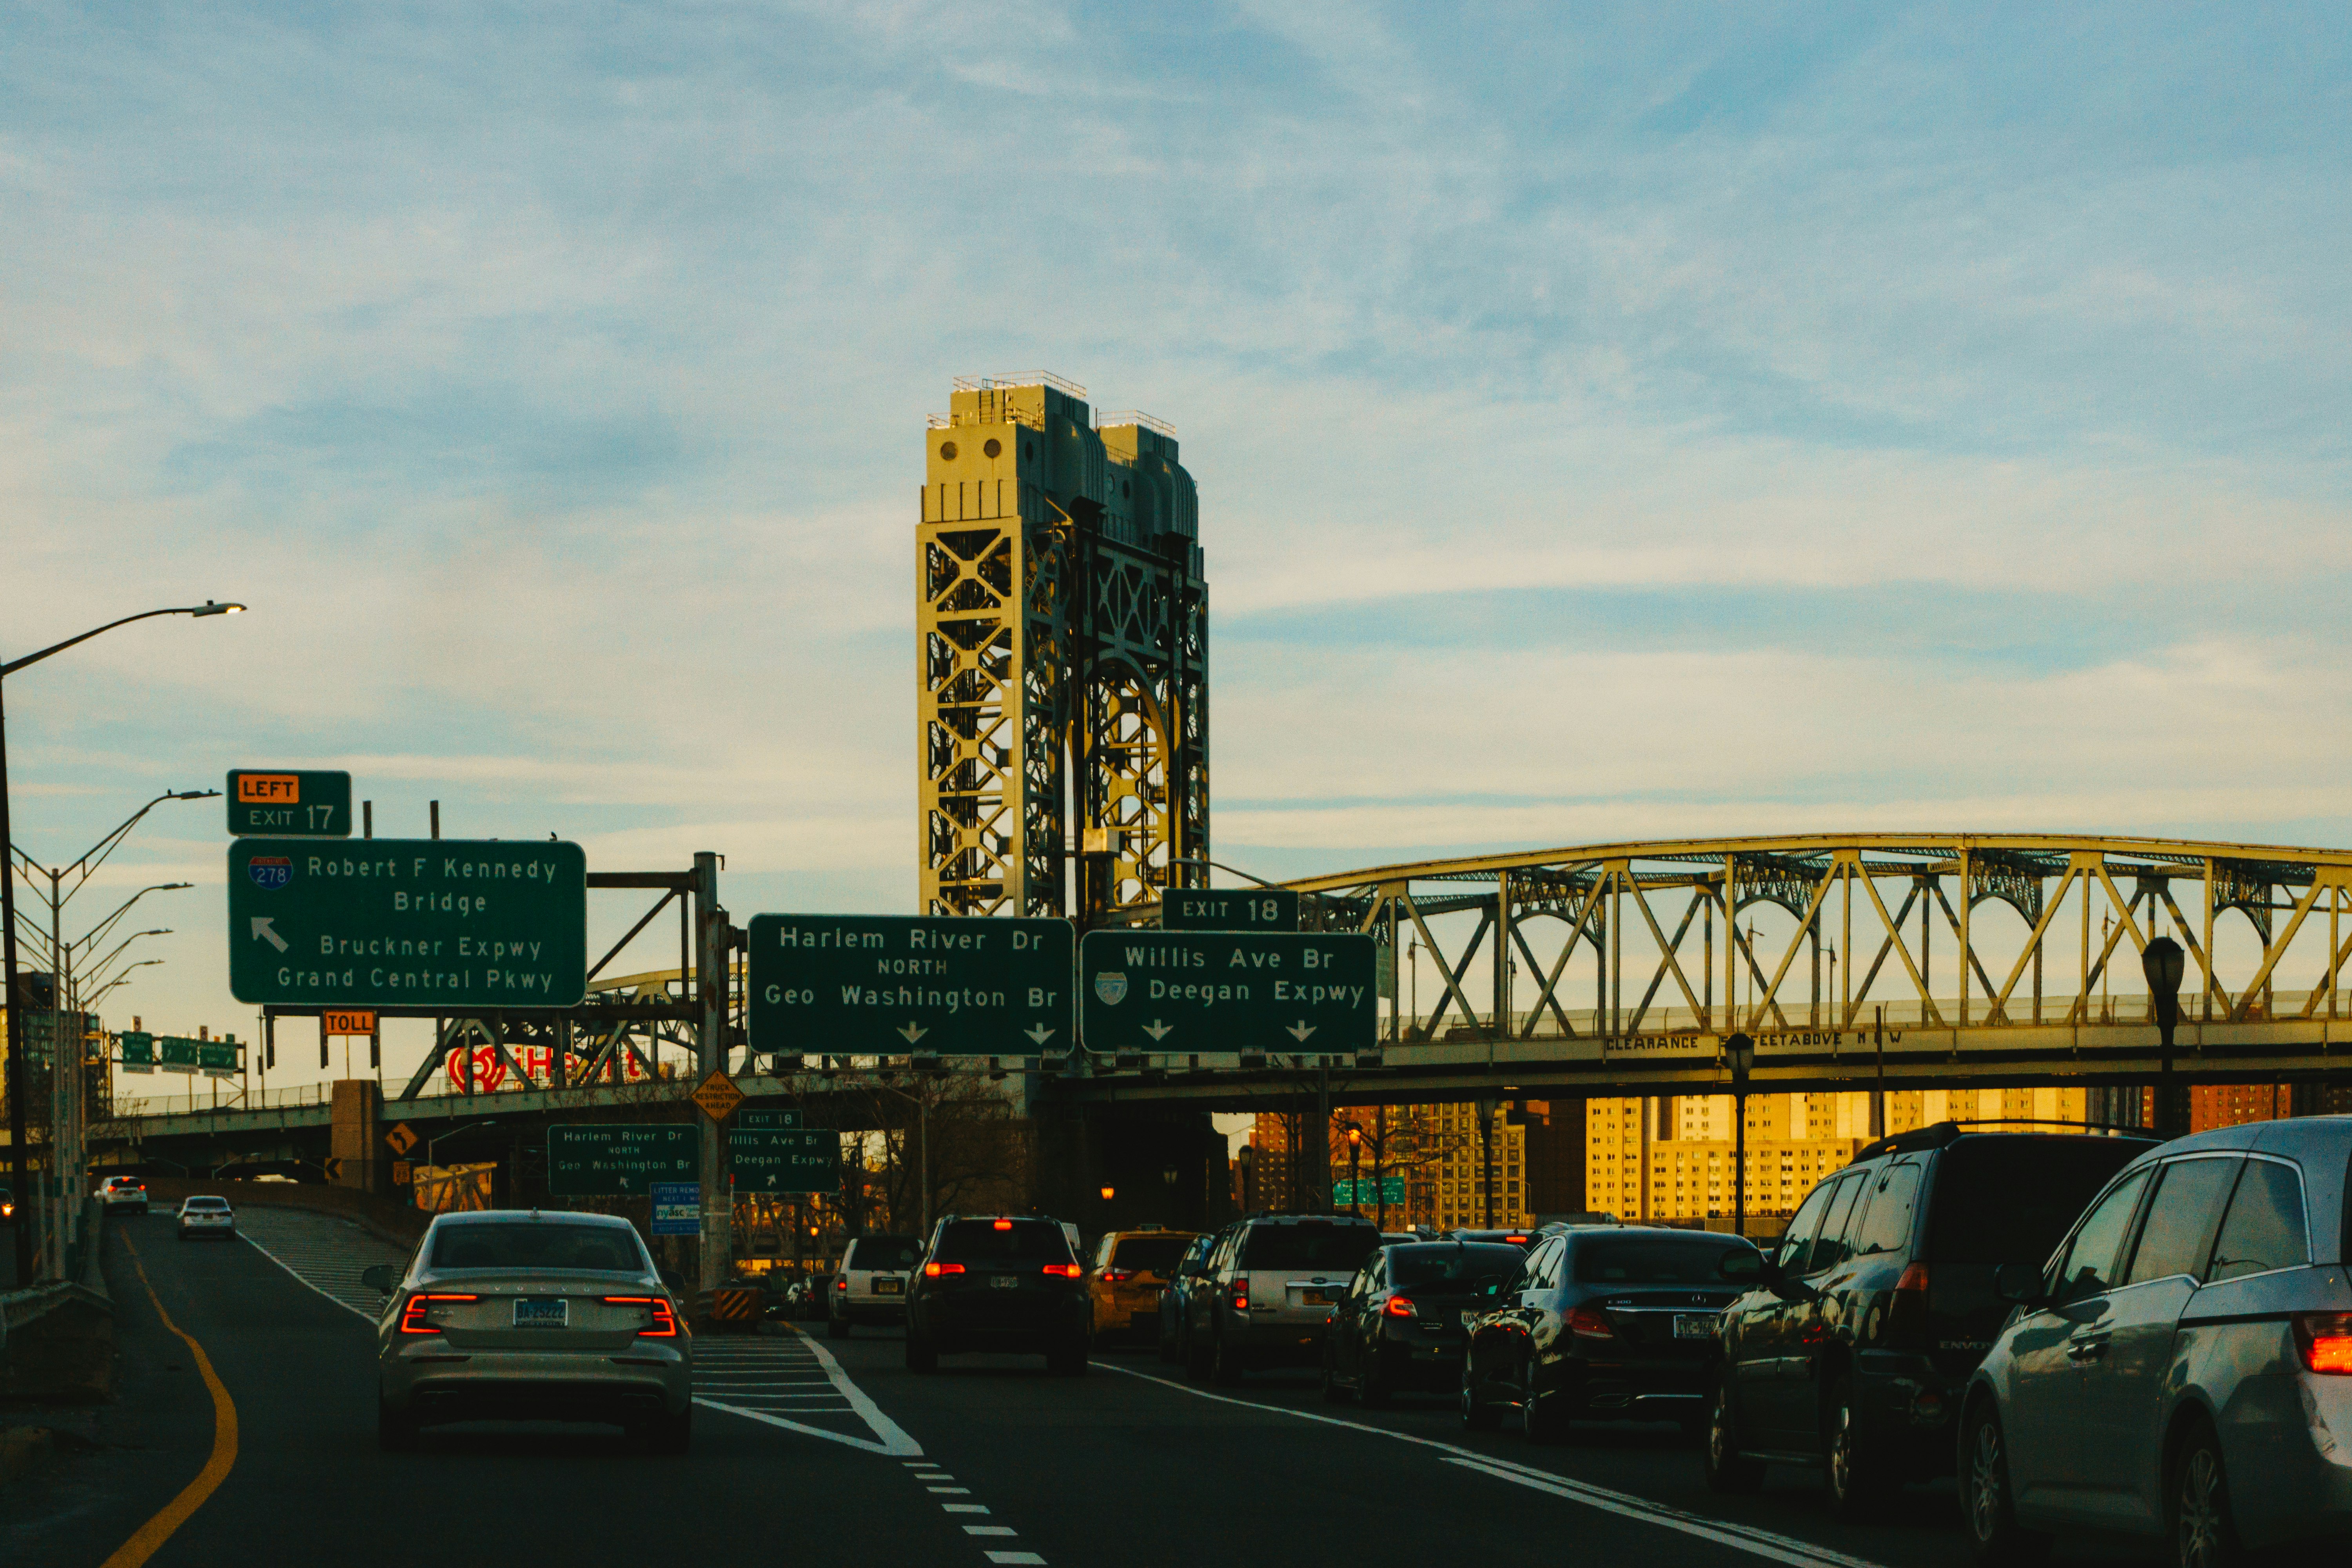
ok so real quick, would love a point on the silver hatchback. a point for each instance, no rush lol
(530, 1316)
(2182, 1365)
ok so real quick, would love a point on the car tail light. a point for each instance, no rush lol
(1117, 1276)
(412, 1314)
(1063, 1271)
(1906, 1309)
(1517, 1240)
(1239, 1295)
(933, 1270)
(665, 1321)
(2326, 1341)
(1401, 1306)
(841, 1284)
(1586, 1322)
(1001, 1224)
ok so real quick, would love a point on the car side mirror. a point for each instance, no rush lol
(2019, 1284)
(1745, 1268)
(378, 1275)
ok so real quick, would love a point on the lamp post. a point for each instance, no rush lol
(1247, 1159)
(8, 918)
(1739, 1055)
(1168, 1175)
(2163, 962)
(1355, 1187)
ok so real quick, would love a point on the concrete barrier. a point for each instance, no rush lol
(56, 1340)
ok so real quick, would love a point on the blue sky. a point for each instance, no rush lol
(1609, 421)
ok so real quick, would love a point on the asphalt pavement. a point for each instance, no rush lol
(813, 1449)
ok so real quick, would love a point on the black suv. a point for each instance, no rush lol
(998, 1282)
(1850, 1352)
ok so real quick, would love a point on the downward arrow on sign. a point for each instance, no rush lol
(913, 1034)
(1158, 1030)
(265, 930)
(1300, 1030)
(1038, 1033)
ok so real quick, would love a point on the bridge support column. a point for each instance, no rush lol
(354, 1138)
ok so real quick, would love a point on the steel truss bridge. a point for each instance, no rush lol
(1991, 960)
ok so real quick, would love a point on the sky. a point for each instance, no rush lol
(1609, 421)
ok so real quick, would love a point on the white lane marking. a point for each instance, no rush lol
(950, 1492)
(765, 1418)
(990, 1530)
(290, 1269)
(894, 1437)
(1014, 1557)
(1762, 1542)
(964, 1508)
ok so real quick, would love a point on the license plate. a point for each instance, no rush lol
(1315, 1298)
(541, 1313)
(1694, 1325)
(1006, 1283)
(890, 1287)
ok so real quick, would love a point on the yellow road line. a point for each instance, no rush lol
(158, 1529)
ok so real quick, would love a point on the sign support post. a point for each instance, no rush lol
(711, 1057)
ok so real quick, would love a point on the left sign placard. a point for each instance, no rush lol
(408, 922)
(288, 802)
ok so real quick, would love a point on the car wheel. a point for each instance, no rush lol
(1726, 1470)
(1372, 1382)
(1986, 1494)
(1225, 1363)
(1859, 1482)
(836, 1328)
(922, 1355)
(2203, 1533)
(1197, 1361)
(1540, 1421)
(1477, 1416)
(1334, 1392)
(395, 1432)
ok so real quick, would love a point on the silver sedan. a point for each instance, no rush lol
(515, 1315)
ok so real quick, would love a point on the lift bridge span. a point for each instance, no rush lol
(1991, 960)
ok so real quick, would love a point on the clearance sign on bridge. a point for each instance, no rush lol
(1199, 991)
(408, 922)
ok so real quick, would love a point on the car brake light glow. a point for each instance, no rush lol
(412, 1314)
(1401, 1306)
(934, 1270)
(1588, 1324)
(1004, 1225)
(664, 1324)
(841, 1284)
(1117, 1276)
(1914, 1279)
(1063, 1271)
(2326, 1341)
(1517, 1240)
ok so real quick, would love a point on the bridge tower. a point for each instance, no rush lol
(1062, 631)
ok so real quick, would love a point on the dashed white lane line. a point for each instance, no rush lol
(1764, 1543)
(929, 1471)
(1014, 1557)
(990, 1530)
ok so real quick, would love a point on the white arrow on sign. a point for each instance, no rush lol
(1158, 1030)
(1300, 1030)
(265, 930)
(913, 1034)
(1038, 1033)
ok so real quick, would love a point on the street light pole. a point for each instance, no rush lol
(8, 997)
(2163, 963)
(1739, 1052)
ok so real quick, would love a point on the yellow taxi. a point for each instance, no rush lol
(1125, 1278)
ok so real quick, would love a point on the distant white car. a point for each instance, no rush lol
(122, 1194)
(207, 1217)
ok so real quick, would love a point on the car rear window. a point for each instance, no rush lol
(1159, 1254)
(207, 1203)
(1450, 1263)
(1650, 1260)
(538, 1244)
(886, 1252)
(1334, 1248)
(1022, 1241)
(2011, 1200)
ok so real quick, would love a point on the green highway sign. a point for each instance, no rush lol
(786, 1160)
(1185, 992)
(177, 1053)
(417, 922)
(288, 802)
(853, 985)
(620, 1159)
(767, 1119)
(1367, 1191)
(138, 1050)
(1228, 909)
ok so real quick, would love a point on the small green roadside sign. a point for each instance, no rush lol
(889, 985)
(1228, 908)
(413, 922)
(1184, 991)
(767, 1119)
(138, 1050)
(288, 802)
(785, 1159)
(619, 1159)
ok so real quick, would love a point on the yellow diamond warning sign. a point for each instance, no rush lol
(717, 1095)
(402, 1138)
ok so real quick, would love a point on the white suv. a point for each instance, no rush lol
(871, 1287)
(122, 1194)
(207, 1217)
(1268, 1292)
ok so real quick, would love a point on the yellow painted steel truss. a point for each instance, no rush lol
(1062, 631)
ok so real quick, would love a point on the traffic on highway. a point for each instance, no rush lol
(1969, 1343)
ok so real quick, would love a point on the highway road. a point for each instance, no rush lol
(810, 1449)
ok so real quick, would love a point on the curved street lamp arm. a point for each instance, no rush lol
(1220, 864)
(206, 608)
(96, 933)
